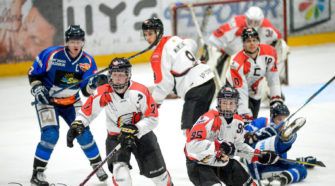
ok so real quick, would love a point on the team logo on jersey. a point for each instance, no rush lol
(84, 66)
(69, 79)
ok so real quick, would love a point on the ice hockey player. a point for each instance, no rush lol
(249, 68)
(227, 38)
(55, 68)
(174, 66)
(131, 115)
(266, 134)
(215, 138)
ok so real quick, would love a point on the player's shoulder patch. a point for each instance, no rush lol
(266, 49)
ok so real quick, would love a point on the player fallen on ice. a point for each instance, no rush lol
(267, 134)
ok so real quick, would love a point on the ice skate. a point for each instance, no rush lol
(38, 178)
(101, 174)
(292, 128)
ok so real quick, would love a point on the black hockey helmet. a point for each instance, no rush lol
(74, 32)
(279, 110)
(119, 65)
(249, 32)
(156, 24)
(227, 92)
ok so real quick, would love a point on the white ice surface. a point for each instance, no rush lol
(309, 69)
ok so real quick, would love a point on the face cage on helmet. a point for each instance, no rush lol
(120, 86)
(227, 113)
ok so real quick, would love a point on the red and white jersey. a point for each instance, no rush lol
(174, 65)
(203, 141)
(135, 107)
(246, 74)
(228, 36)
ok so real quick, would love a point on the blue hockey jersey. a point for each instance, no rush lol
(56, 70)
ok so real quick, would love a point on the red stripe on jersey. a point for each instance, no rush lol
(104, 91)
(238, 117)
(152, 109)
(241, 23)
(156, 58)
(221, 30)
(51, 56)
(198, 132)
(87, 107)
(237, 79)
(254, 86)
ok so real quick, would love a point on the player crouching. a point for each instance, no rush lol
(131, 115)
(215, 138)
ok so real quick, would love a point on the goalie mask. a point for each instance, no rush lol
(119, 73)
(254, 17)
(156, 25)
(227, 99)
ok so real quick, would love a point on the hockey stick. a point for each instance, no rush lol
(317, 163)
(99, 72)
(201, 37)
(101, 164)
(308, 100)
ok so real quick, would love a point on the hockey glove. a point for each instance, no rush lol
(97, 81)
(268, 157)
(227, 148)
(40, 93)
(77, 128)
(127, 136)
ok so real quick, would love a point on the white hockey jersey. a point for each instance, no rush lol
(228, 36)
(246, 74)
(135, 107)
(203, 141)
(174, 65)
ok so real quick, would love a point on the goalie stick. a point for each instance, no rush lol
(100, 165)
(100, 72)
(201, 38)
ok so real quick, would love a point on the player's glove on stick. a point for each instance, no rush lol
(127, 136)
(268, 157)
(77, 128)
(40, 93)
(227, 148)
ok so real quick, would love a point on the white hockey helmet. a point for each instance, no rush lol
(254, 16)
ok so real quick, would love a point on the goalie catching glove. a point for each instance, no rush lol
(77, 128)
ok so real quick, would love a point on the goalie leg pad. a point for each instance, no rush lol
(122, 174)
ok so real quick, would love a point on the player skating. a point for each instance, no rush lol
(248, 69)
(55, 68)
(131, 115)
(175, 66)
